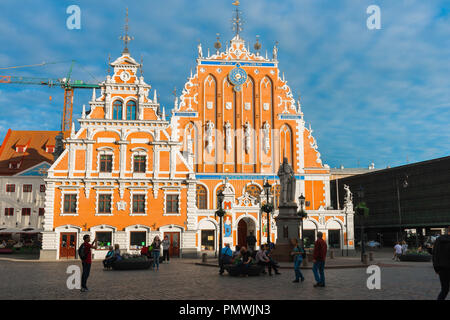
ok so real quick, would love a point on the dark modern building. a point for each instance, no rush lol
(408, 202)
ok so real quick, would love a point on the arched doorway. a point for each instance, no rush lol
(245, 226)
(242, 233)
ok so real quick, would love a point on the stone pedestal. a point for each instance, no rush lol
(288, 226)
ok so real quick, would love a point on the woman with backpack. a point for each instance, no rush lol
(299, 254)
(156, 245)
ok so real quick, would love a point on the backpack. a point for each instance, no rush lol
(82, 252)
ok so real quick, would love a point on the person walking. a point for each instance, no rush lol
(299, 254)
(441, 262)
(226, 257)
(86, 258)
(251, 241)
(166, 247)
(319, 255)
(397, 252)
(156, 244)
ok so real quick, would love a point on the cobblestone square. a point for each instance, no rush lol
(182, 279)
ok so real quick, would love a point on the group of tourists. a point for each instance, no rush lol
(152, 251)
(243, 258)
(399, 249)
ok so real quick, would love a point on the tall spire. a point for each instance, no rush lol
(237, 21)
(126, 38)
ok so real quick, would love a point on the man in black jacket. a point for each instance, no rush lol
(441, 262)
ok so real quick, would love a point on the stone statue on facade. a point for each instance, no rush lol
(247, 134)
(266, 132)
(348, 199)
(209, 136)
(200, 50)
(287, 182)
(228, 144)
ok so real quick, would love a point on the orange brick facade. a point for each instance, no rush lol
(230, 129)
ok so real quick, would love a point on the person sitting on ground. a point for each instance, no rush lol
(109, 258)
(263, 260)
(226, 257)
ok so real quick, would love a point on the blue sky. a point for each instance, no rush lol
(369, 95)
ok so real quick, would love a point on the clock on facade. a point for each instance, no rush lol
(125, 76)
(237, 77)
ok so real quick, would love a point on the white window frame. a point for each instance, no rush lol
(66, 192)
(139, 152)
(176, 193)
(101, 192)
(105, 151)
(138, 192)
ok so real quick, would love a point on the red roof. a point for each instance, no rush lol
(35, 152)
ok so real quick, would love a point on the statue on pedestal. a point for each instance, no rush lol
(287, 182)
(348, 199)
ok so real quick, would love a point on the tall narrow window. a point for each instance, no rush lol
(70, 203)
(41, 212)
(139, 203)
(27, 188)
(131, 110)
(117, 110)
(9, 211)
(172, 203)
(10, 188)
(104, 203)
(105, 163)
(139, 163)
(26, 211)
(201, 197)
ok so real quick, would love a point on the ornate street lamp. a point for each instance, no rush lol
(220, 213)
(267, 208)
(301, 213)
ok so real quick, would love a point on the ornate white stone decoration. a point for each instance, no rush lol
(200, 50)
(228, 105)
(219, 70)
(266, 106)
(247, 135)
(287, 182)
(348, 199)
(228, 144)
(121, 205)
(246, 200)
(202, 70)
(209, 136)
(209, 105)
(272, 72)
(125, 76)
(247, 106)
(256, 71)
(266, 138)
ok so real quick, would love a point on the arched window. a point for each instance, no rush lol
(253, 190)
(117, 110)
(131, 110)
(201, 197)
